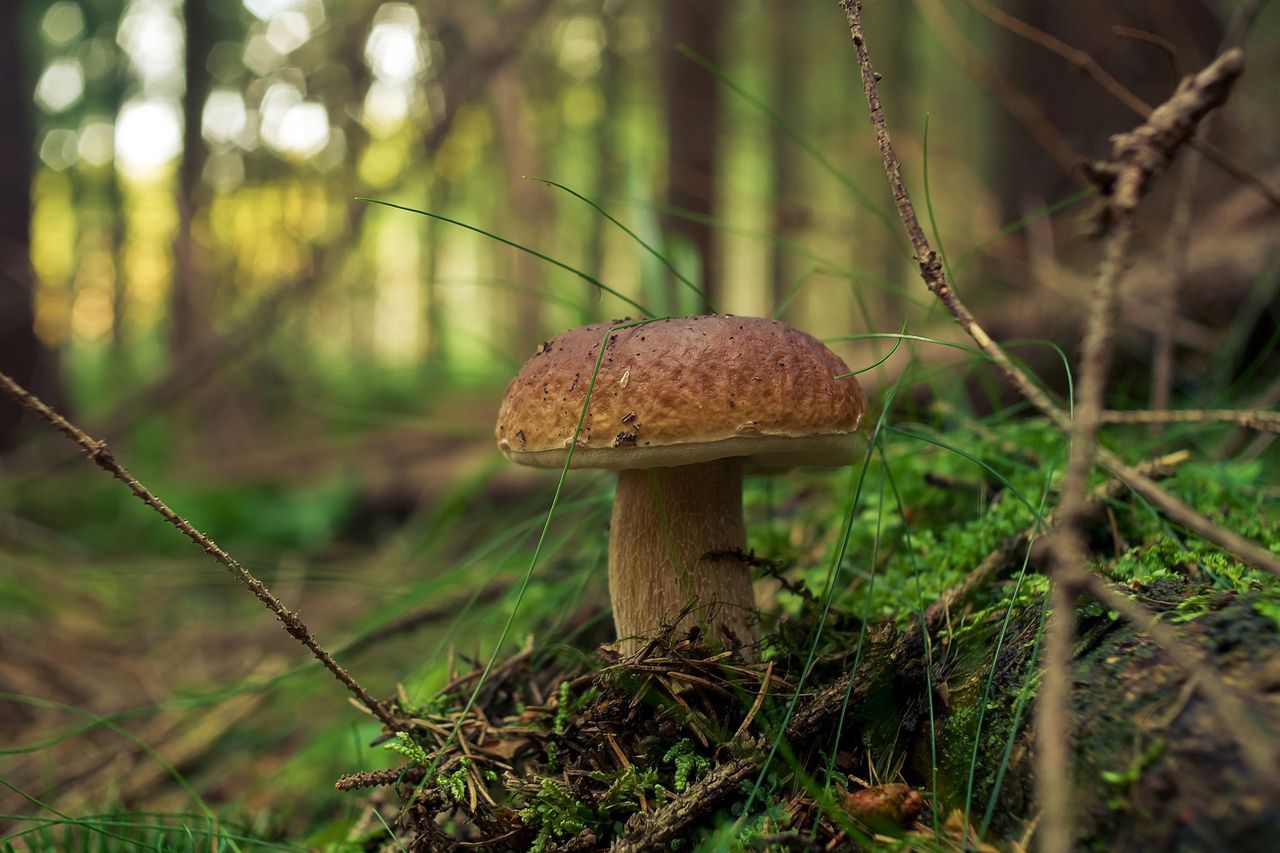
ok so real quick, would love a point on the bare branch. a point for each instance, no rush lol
(101, 455)
(1084, 62)
(1137, 157)
(932, 274)
(1259, 419)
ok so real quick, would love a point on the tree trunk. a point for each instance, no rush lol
(192, 298)
(789, 211)
(1073, 102)
(22, 355)
(693, 124)
(530, 202)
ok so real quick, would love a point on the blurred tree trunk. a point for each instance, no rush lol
(192, 298)
(111, 189)
(607, 142)
(693, 123)
(530, 202)
(104, 94)
(1087, 115)
(789, 212)
(22, 355)
(435, 353)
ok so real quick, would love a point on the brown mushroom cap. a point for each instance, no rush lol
(683, 391)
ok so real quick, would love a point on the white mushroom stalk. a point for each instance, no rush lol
(677, 551)
(682, 408)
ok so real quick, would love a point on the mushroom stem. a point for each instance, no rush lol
(665, 523)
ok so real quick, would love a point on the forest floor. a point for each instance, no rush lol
(148, 694)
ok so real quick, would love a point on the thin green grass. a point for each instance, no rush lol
(926, 636)
(1019, 709)
(585, 276)
(873, 365)
(1020, 224)
(952, 448)
(1000, 637)
(132, 738)
(681, 277)
(858, 479)
(165, 831)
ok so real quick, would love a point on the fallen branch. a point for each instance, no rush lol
(1258, 419)
(380, 778)
(101, 455)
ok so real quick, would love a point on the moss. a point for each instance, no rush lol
(555, 813)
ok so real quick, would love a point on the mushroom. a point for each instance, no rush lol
(681, 408)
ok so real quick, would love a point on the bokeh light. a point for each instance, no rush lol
(151, 35)
(61, 85)
(224, 117)
(63, 23)
(148, 137)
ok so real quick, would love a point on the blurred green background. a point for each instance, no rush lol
(312, 379)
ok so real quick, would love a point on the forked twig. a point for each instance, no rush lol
(101, 455)
(1085, 62)
(1136, 158)
(932, 273)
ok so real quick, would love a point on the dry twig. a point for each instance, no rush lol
(101, 455)
(1259, 419)
(1084, 62)
(934, 278)
(1136, 158)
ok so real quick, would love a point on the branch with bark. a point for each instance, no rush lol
(101, 455)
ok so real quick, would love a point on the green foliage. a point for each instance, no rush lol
(1227, 493)
(455, 784)
(629, 786)
(407, 747)
(98, 513)
(1131, 773)
(568, 707)
(742, 833)
(959, 510)
(555, 813)
(688, 764)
